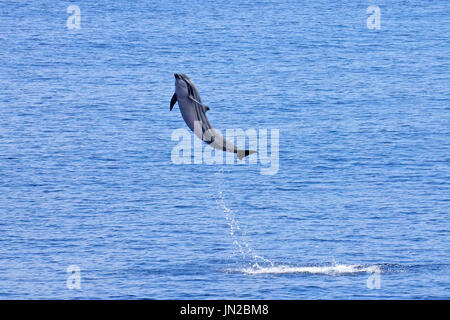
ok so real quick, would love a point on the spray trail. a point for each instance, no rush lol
(238, 237)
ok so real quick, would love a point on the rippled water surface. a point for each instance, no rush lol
(361, 196)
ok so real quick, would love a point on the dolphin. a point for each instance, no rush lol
(194, 114)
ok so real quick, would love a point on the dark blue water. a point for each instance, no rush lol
(86, 176)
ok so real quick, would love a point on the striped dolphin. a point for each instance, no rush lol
(194, 114)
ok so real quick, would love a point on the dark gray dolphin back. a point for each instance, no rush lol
(199, 110)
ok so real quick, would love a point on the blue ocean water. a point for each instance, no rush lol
(86, 177)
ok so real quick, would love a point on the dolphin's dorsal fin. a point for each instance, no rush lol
(173, 101)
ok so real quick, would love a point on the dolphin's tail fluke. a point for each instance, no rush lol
(243, 153)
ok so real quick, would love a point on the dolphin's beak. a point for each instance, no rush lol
(176, 75)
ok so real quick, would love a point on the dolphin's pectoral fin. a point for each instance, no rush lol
(205, 108)
(173, 101)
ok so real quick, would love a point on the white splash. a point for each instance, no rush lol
(333, 270)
